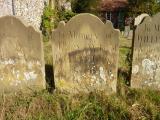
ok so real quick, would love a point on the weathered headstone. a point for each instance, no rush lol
(146, 54)
(85, 55)
(21, 56)
(126, 31)
(130, 35)
(140, 18)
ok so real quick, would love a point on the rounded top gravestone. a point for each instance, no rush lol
(138, 20)
(146, 56)
(21, 56)
(85, 54)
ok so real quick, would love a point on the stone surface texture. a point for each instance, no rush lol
(146, 54)
(85, 55)
(6, 7)
(29, 10)
(21, 56)
(140, 18)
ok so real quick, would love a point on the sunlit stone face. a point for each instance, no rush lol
(146, 55)
(21, 56)
(85, 52)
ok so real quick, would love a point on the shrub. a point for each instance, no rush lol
(66, 15)
(48, 20)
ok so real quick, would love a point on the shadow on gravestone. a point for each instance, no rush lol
(21, 56)
(146, 56)
(85, 55)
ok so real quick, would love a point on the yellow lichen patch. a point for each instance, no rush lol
(65, 85)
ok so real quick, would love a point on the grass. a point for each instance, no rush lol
(48, 52)
(124, 60)
(136, 104)
(127, 104)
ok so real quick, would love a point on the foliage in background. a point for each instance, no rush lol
(82, 6)
(62, 14)
(51, 17)
(65, 15)
(48, 20)
(137, 7)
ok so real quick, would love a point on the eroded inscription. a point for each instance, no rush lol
(21, 62)
(146, 56)
(85, 55)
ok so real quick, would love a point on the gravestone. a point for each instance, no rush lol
(140, 18)
(130, 35)
(146, 54)
(126, 31)
(85, 55)
(21, 56)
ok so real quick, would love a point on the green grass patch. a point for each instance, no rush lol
(142, 104)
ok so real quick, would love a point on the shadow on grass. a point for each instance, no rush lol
(124, 75)
(50, 78)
